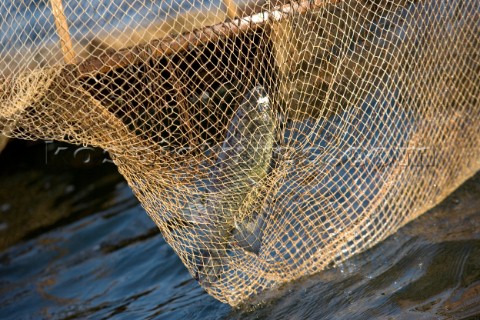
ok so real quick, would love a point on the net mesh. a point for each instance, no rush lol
(267, 140)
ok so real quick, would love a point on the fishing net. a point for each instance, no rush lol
(267, 140)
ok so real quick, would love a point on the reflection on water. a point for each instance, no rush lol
(77, 244)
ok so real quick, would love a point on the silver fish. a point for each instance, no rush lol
(242, 164)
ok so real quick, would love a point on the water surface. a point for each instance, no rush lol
(75, 243)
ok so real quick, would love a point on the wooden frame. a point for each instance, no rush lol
(113, 59)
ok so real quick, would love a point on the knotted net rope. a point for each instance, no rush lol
(267, 140)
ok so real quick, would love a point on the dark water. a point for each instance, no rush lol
(75, 243)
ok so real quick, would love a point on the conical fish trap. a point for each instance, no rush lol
(267, 140)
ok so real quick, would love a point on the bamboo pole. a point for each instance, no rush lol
(231, 8)
(111, 60)
(62, 31)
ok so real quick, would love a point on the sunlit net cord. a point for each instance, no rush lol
(267, 141)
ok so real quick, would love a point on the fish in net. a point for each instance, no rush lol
(267, 140)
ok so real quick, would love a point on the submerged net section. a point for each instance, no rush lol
(267, 140)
